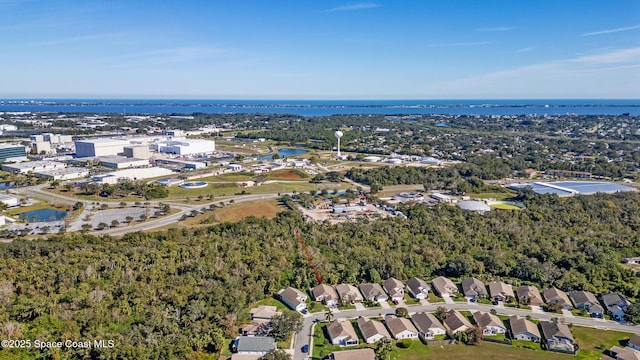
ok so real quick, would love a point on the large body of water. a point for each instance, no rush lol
(330, 107)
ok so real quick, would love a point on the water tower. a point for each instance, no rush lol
(338, 134)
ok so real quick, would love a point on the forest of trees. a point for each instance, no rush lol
(177, 294)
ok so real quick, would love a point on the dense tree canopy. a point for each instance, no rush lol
(174, 294)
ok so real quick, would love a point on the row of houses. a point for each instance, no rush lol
(425, 326)
(472, 288)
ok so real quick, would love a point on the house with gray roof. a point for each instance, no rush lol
(557, 336)
(444, 287)
(373, 292)
(500, 291)
(293, 298)
(634, 342)
(473, 288)
(523, 329)
(557, 296)
(400, 328)
(326, 294)
(586, 300)
(529, 295)
(342, 333)
(395, 288)
(372, 330)
(258, 345)
(427, 325)
(490, 324)
(616, 305)
(357, 354)
(418, 288)
(348, 293)
(455, 322)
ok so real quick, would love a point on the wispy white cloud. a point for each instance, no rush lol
(496, 29)
(75, 39)
(615, 72)
(458, 44)
(525, 50)
(611, 31)
(353, 7)
(612, 57)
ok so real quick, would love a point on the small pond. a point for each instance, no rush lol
(43, 215)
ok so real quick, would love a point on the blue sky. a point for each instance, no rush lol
(325, 49)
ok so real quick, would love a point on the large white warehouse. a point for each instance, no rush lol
(187, 146)
(100, 147)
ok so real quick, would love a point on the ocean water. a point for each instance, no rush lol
(329, 107)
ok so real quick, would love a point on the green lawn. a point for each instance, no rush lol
(505, 207)
(594, 342)
(488, 351)
(497, 196)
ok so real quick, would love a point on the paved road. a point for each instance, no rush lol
(304, 336)
(76, 225)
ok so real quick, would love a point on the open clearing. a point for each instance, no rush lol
(505, 207)
(236, 212)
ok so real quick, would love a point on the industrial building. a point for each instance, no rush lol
(9, 200)
(121, 162)
(63, 173)
(131, 174)
(187, 146)
(137, 151)
(100, 147)
(9, 153)
(33, 166)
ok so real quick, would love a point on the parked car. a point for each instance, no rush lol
(305, 348)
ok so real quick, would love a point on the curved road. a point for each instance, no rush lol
(305, 336)
(39, 193)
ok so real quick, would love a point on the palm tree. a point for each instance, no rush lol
(329, 316)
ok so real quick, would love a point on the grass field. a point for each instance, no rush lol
(497, 196)
(236, 212)
(505, 207)
(488, 351)
(594, 342)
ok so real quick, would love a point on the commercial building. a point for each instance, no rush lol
(32, 166)
(137, 151)
(9, 200)
(121, 162)
(131, 174)
(9, 153)
(187, 146)
(100, 147)
(63, 173)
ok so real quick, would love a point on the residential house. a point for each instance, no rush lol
(264, 312)
(557, 296)
(348, 293)
(473, 288)
(587, 301)
(341, 333)
(523, 329)
(616, 305)
(455, 322)
(634, 342)
(489, 324)
(444, 287)
(632, 260)
(500, 291)
(625, 353)
(401, 328)
(358, 354)
(245, 357)
(372, 330)
(427, 325)
(557, 336)
(395, 288)
(529, 295)
(258, 345)
(373, 292)
(293, 298)
(326, 294)
(418, 288)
